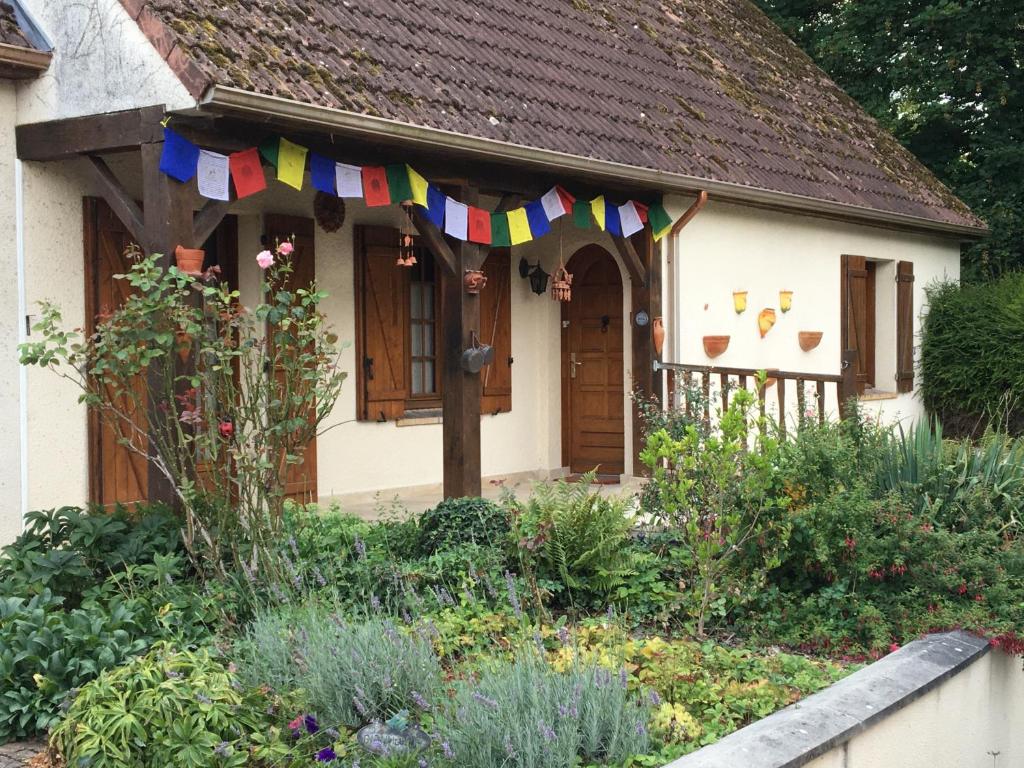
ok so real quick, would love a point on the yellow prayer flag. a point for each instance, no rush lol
(662, 232)
(597, 208)
(519, 227)
(291, 164)
(419, 187)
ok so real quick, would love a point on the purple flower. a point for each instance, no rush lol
(360, 707)
(641, 729)
(222, 749)
(446, 748)
(418, 700)
(623, 677)
(360, 546)
(326, 755)
(513, 598)
(654, 698)
(312, 726)
(563, 635)
(319, 576)
(546, 730)
(375, 603)
(485, 700)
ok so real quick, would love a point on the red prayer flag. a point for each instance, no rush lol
(479, 226)
(375, 185)
(565, 197)
(641, 211)
(247, 172)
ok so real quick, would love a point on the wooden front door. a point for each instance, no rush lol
(117, 474)
(300, 479)
(593, 427)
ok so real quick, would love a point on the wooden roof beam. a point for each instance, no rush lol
(111, 132)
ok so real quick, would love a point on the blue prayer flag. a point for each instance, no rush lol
(435, 206)
(180, 157)
(612, 222)
(321, 173)
(538, 219)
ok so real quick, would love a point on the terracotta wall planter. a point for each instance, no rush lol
(809, 340)
(474, 280)
(658, 330)
(189, 260)
(715, 345)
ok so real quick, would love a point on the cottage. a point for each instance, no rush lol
(781, 228)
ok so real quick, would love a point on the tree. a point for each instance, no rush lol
(946, 78)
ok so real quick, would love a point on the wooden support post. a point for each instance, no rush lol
(167, 207)
(780, 384)
(848, 385)
(641, 252)
(460, 389)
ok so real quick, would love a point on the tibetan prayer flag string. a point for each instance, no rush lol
(435, 206)
(597, 210)
(399, 188)
(479, 226)
(500, 236)
(270, 149)
(611, 220)
(179, 157)
(535, 215)
(629, 217)
(557, 202)
(247, 172)
(518, 226)
(375, 186)
(214, 178)
(322, 173)
(418, 185)
(291, 164)
(661, 222)
(456, 219)
(349, 180)
(581, 214)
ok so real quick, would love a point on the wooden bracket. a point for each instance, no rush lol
(634, 265)
(211, 214)
(117, 197)
(435, 240)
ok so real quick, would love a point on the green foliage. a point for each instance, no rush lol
(972, 355)
(222, 417)
(349, 673)
(68, 550)
(723, 498)
(171, 707)
(463, 521)
(524, 713)
(575, 538)
(947, 79)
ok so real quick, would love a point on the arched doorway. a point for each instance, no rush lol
(593, 420)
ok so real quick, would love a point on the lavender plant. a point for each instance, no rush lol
(525, 714)
(351, 672)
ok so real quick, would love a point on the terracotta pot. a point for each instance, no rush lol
(809, 340)
(189, 260)
(765, 321)
(658, 330)
(785, 300)
(474, 280)
(769, 383)
(715, 345)
(184, 340)
(739, 301)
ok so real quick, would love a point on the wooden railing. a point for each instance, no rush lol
(681, 384)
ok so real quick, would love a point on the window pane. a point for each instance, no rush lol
(415, 302)
(417, 378)
(428, 377)
(428, 340)
(428, 301)
(416, 337)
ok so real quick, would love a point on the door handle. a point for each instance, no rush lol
(573, 362)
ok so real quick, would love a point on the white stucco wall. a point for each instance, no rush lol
(102, 62)
(10, 319)
(972, 720)
(730, 248)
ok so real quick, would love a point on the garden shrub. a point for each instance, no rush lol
(172, 707)
(350, 673)
(524, 713)
(463, 521)
(972, 355)
(575, 539)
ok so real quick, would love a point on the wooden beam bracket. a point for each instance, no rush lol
(637, 271)
(117, 197)
(207, 220)
(435, 240)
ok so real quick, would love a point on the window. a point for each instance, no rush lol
(398, 329)
(877, 322)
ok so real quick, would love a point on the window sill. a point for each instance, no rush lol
(415, 418)
(872, 395)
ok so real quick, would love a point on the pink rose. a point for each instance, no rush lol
(285, 248)
(264, 259)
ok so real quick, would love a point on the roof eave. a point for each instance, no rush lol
(20, 63)
(226, 99)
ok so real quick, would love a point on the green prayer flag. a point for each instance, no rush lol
(270, 147)
(661, 222)
(581, 214)
(398, 182)
(499, 230)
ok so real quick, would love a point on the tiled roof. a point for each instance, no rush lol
(10, 32)
(707, 88)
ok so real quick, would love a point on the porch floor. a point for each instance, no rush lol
(404, 502)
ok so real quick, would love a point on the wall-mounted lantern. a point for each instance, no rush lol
(537, 276)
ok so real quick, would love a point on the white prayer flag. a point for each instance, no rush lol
(456, 219)
(629, 218)
(213, 175)
(554, 204)
(349, 180)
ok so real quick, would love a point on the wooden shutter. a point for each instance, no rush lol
(857, 319)
(904, 326)
(300, 479)
(496, 330)
(382, 317)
